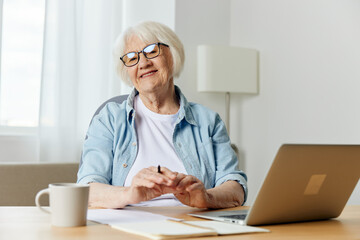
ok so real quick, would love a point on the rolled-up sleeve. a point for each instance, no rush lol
(97, 156)
(226, 161)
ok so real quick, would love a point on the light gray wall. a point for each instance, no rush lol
(14, 148)
(309, 78)
(201, 22)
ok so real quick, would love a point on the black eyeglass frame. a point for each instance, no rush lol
(144, 53)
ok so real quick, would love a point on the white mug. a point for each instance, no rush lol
(68, 203)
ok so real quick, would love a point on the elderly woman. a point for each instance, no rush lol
(157, 126)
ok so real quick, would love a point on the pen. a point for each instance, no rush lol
(159, 171)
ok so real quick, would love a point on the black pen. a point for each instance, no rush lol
(159, 171)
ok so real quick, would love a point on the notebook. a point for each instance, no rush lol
(170, 229)
(304, 183)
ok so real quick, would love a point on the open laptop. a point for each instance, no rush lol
(304, 183)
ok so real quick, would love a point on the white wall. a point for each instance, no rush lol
(201, 22)
(309, 78)
(14, 148)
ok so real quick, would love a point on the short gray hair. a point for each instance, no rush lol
(149, 32)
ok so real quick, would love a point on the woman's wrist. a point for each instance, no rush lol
(225, 196)
(107, 196)
(125, 196)
(121, 197)
(210, 200)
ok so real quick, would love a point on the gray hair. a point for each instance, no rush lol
(149, 32)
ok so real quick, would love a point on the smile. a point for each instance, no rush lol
(148, 74)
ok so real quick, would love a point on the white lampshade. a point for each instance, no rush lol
(227, 69)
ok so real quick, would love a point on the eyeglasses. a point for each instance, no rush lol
(150, 51)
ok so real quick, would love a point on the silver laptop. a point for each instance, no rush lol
(304, 183)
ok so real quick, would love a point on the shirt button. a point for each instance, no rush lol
(124, 165)
(134, 143)
(179, 144)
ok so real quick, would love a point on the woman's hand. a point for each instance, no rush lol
(191, 191)
(148, 184)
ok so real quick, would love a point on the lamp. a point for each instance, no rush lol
(227, 69)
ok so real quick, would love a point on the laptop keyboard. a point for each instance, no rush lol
(235, 216)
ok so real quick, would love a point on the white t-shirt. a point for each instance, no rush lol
(155, 147)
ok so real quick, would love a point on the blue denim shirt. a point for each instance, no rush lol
(200, 139)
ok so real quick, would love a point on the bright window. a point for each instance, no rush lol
(21, 62)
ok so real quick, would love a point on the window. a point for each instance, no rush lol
(21, 62)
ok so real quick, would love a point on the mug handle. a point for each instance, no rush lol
(37, 198)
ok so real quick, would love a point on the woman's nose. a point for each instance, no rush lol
(143, 61)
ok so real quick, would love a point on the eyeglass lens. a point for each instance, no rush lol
(150, 51)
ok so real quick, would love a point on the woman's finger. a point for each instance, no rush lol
(186, 181)
(151, 175)
(167, 172)
(195, 186)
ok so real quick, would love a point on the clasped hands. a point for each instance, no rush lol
(148, 184)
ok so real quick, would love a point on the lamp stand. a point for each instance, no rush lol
(227, 120)
(227, 111)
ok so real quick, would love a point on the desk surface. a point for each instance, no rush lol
(30, 223)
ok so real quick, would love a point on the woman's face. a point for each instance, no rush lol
(150, 75)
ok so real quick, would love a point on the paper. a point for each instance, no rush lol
(125, 215)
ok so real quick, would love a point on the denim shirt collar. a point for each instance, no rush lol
(184, 111)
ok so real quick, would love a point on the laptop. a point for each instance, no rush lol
(304, 183)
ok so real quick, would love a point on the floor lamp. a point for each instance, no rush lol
(229, 70)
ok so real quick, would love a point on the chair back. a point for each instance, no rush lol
(118, 99)
(19, 182)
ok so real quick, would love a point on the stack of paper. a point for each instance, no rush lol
(124, 215)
